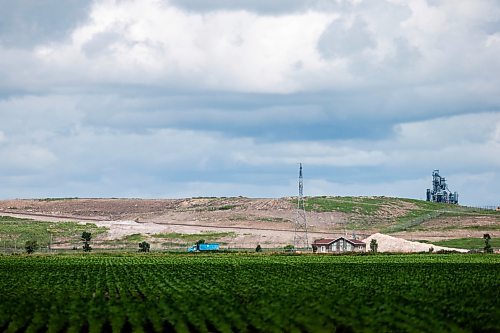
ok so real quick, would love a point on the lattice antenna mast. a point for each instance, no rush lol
(300, 240)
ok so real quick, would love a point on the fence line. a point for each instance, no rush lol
(483, 207)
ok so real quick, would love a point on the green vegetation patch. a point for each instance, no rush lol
(453, 210)
(365, 206)
(250, 293)
(412, 220)
(56, 199)
(134, 238)
(225, 207)
(482, 227)
(272, 219)
(16, 231)
(415, 218)
(429, 205)
(207, 236)
(468, 243)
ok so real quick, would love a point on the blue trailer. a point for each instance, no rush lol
(204, 247)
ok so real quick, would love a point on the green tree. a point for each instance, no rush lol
(289, 248)
(487, 245)
(144, 246)
(373, 245)
(200, 241)
(315, 248)
(86, 237)
(258, 248)
(31, 246)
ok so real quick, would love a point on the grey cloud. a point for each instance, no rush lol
(387, 15)
(25, 23)
(100, 43)
(491, 27)
(31, 116)
(434, 3)
(364, 113)
(266, 116)
(404, 56)
(265, 7)
(15, 156)
(103, 154)
(340, 39)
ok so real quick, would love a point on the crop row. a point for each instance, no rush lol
(227, 293)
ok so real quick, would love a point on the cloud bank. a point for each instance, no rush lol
(151, 98)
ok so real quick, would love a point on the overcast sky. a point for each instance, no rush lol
(181, 98)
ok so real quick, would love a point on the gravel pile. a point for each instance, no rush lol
(388, 243)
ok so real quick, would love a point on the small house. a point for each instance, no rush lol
(340, 244)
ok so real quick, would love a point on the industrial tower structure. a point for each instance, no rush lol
(300, 240)
(440, 191)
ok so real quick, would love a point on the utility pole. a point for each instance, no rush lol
(300, 237)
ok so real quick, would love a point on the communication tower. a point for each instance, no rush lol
(300, 240)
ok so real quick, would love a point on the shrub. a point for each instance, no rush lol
(86, 237)
(144, 246)
(487, 245)
(373, 245)
(200, 241)
(258, 248)
(31, 246)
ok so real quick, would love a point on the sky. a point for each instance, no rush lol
(183, 98)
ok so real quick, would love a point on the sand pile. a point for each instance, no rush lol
(388, 243)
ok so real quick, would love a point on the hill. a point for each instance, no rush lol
(245, 222)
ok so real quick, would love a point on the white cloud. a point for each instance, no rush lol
(220, 50)
(21, 158)
(360, 45)
(454, 130)
(408, 188)
(311, 153)
(493, 41)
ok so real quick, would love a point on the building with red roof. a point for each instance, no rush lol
(341, 244)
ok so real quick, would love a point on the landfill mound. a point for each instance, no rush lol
(388, 243)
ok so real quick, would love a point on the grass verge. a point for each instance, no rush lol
(468, 243)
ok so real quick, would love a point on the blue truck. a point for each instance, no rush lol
(204, 247)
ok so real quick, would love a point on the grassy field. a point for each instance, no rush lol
(14, 232)
(249, 293)
(172, 241)
(360, 205)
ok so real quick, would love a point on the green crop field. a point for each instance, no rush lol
(248, 293)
